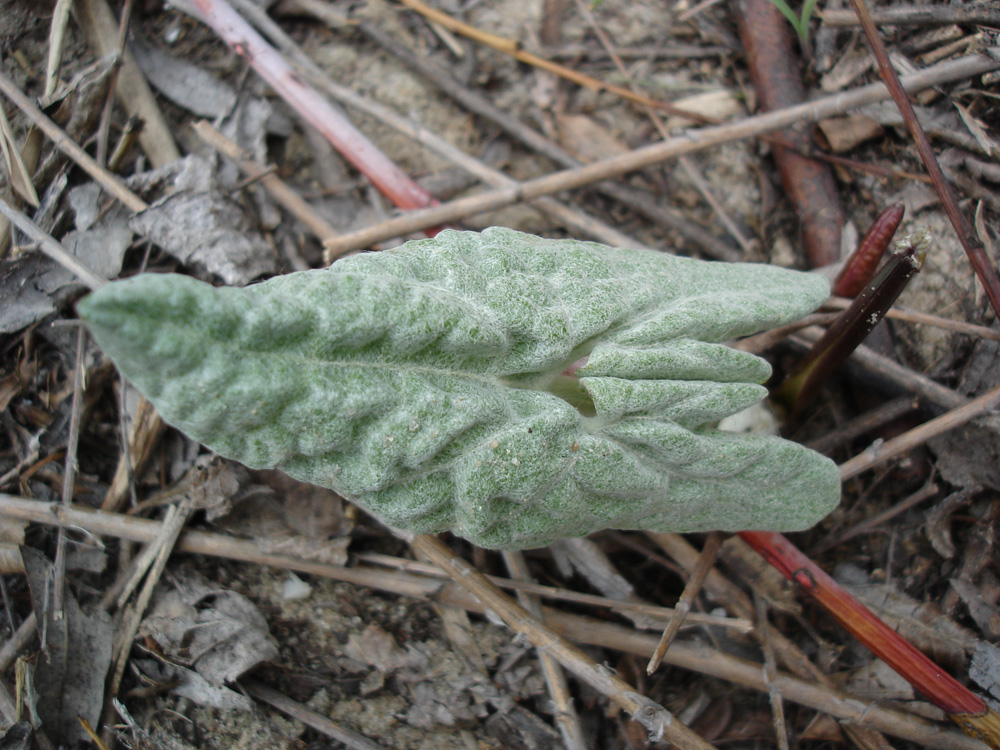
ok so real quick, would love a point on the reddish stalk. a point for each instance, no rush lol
(943, 690)
(808, 183)
(859, 269)
(854, 324)
(973, 248)
(390, 180)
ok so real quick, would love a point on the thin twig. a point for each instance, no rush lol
(692, 141)
(770, 675)
(133, 91)
(689, 168)
(573, 218)
(143, 433)
(696, 9)
(69, 147)
(655, 718)
(170, 528)
(335, 127)
(863, 423)
(889, 370)
(104, 124)
(966, 236)
(69, 469)
(647, 52)
(986, 14)
(857, 713)
(111, 183)
(19, 172)
(915, 316)
(57, 35)
(307, 716)
(51, 247)
(937, 685)
(879, 520)
(152, 562)
(428, 579)
(859, 166)
(565, 713)
(101, 744)
(812, 692)
(513, 48)
(691, 589)
(636, 200)
(279, 190)
(737, 602)
(18, 642)
(594, 565)
(765, 340)
(881, 452)
(553, 593)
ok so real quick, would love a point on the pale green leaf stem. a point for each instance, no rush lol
(429, 384)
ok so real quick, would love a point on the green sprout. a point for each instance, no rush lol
(799, 22)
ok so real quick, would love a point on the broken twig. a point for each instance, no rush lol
(690, 142)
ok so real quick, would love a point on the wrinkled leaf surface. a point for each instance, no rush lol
(429, 384)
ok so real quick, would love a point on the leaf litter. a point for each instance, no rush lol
(68, 678)
(373, 661)
(218, 633)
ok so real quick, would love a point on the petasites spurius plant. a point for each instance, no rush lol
(433, 384)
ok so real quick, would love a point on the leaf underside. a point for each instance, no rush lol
(427, 384)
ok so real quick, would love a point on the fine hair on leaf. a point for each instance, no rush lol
(509, 388)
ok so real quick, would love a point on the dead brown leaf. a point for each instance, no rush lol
(73, 663)
(586, 138)
(11, 539)
(210, 232)
(377, 648)
(219, 633)
(284, 516)
(841, 134)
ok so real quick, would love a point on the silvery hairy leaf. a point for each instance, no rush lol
(434, 384)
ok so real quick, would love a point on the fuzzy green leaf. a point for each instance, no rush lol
(429, 385)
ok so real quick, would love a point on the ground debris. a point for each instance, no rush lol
(219, 633)
(922, 623)
(383, 663)
(74, 658)
(33, 287)
(184, 83)
(186, 683)
(377, 648)
(210, 232)
(985, 668)
(287, 517)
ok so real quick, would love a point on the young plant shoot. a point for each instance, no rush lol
(434, 385)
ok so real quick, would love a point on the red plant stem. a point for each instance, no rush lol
(871, 305)
(943, 690)
(853, 325)
(390, 180)
(860, 267)
(808, 183)
(973, 248)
